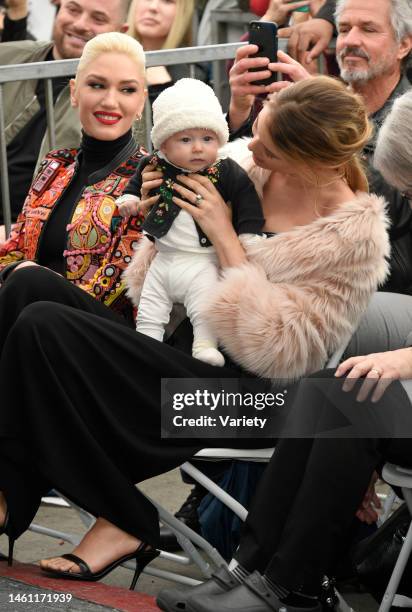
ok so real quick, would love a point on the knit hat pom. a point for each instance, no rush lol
(187, 104)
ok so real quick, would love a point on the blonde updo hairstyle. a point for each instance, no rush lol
(180, 34)
(319, 122)
(112, 42)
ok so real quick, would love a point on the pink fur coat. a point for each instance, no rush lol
(301, 293)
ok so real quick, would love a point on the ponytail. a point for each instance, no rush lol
(355, 174)
(318, 121)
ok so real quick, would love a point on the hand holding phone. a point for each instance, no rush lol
(264, 35)
(279, 8)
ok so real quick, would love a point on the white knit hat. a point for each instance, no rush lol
(189, 103)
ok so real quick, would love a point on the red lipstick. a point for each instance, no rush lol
(107, 118)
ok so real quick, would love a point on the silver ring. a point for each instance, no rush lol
(199, 198)
(378, 372)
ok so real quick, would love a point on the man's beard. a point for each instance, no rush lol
(353, 75)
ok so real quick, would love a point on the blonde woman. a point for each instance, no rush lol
(164, 24)
(70, 244)
(70, 223)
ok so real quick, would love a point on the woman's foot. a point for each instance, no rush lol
(3, 509)
(102, 545)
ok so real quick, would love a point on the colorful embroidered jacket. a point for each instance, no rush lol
(99, 241)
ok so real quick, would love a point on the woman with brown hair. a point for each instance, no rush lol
(278, 311)
(350, 422)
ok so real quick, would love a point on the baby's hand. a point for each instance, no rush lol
(128, 205)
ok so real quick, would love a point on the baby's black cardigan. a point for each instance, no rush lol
(231, 181)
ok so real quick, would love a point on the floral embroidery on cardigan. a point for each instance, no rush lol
(166, 189)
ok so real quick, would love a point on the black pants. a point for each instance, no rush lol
(303, 510)
(35, 284)
(85, 416)
(85, 419)
(22, 288)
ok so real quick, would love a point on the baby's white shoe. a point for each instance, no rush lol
(209, 355)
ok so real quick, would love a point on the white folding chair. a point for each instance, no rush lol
(400, 477)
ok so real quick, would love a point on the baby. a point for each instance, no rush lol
(188, 129)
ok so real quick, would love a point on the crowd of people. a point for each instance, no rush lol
(285, 243)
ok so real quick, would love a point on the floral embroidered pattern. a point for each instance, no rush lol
(99, 242)
(166, 189)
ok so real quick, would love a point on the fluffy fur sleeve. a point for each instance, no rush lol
(271, 329)
(136, 271)
(302, 292)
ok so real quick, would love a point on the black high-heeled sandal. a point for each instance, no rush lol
(141, 555)
(4, 529)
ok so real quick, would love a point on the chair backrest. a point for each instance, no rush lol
(243, 454)
(397, 475)
(401, 477)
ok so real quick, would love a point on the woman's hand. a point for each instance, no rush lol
(24, 264)
(287, 65)
(379, 370)
(241, 79)
(367, 513)
(151, 179)
(207, 206)
(3, 236)
(279, 10)
(212, 214)
(242, 87)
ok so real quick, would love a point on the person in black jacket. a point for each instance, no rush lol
(14, 25)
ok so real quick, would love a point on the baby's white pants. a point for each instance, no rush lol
(178, 277)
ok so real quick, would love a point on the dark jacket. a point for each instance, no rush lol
(15, 29)
(230, 180)
(399, 209)
(327, 11)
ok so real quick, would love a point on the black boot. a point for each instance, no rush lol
(328, 597)
(188, 515)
